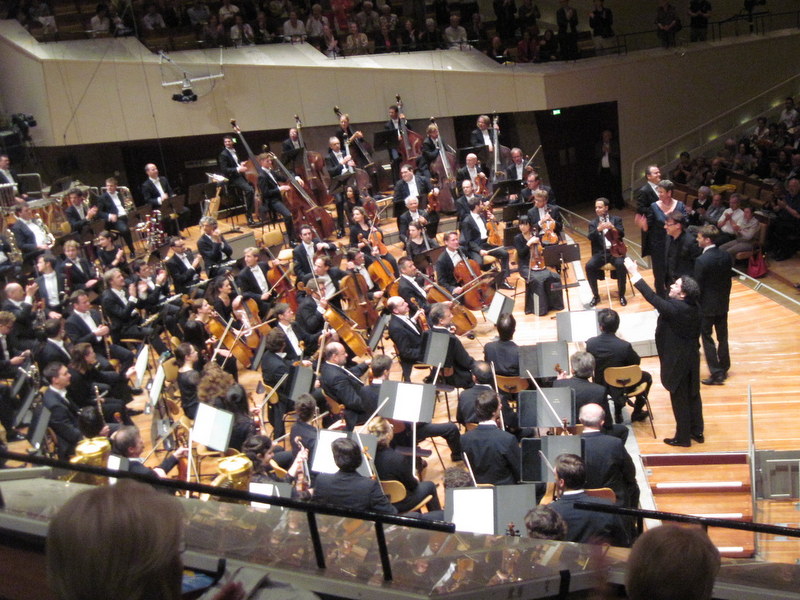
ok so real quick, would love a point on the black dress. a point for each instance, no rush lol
(538, 283)
(187, 384)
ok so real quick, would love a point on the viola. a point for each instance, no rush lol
(537, 257)
(281, 285)
(548, 233)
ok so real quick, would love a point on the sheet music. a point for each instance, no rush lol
(212, 427)
(141, 364)
(473, 510)
(410, 396)
(157, 385)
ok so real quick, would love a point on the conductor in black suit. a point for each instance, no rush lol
(346, 488)
(493, 453)
(601, 228)
(233, 169)
(712, 271)
(677, 342)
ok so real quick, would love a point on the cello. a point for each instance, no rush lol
(475, 295)
(312, 170)
(410, 141)
(359, 307)
(444, 167)
(279, 282)
(463, 320)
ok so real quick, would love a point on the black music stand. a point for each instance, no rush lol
(557, 256)
(512, 212)
(482, 152)
(376, 336)
(428, 258)
(539, 361)
(533, 467)
(506, 187)
(340, 182)
(533, 411)
(38, 431)
(509, 233)
(385, 139)
(291, 156)
(302, 381)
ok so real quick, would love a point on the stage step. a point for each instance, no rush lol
(700, 487)
(699, 458)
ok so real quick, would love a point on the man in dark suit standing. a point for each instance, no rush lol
(233, 168)
(584, 526)
(493, 453)
(607, 155)
(483, 134)
(682, 249)
(586, 392)
(600, 229)
(406, 334)
(712, 271)
(677, 342)
(111, 208)
(608, 464)
(647, 194)
(63, 412)
(346, 488)
(610, 351)
(339, 165)
(155, 190)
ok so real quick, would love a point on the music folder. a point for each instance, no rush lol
(533, 411)
(501, 305)
(301, 381)
(322, 461)
(385, 139)
(212, 427)
(412, 402)
(576, 325)
(541, 360)
(489, 510)
(534, 468)
(436, 348)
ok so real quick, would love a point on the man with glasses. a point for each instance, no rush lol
(682, 248)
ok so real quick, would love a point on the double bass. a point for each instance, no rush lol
(444, 167)
(312, 170)
(501, 154)
(410, 142)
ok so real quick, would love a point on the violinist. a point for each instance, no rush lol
(412, 286)
(262, 451)
(458, 359)
(406, 333)
(271, 185)
(410, 185)
(339, 164)
(252, 281)
(447, 261)
(530, 258)
(78, 274)
(310, 310)
(493, 453)
(413, 214)
(306, 251)
(365, 236)
(545, 218)
(604, 229)
(344, 385)
(274, 366)
(516, 170)
(186, 357)
(183, 266)
(474, 234)
(298, 341)
(211, 245)
(127, 443)
(108, 254)
(534, 183)
(471, 170)
(196, 332)
(417, 240)
(235, 171)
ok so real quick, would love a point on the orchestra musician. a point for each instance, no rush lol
(195, 332)
(111, 208)
(77, 215)
(470, 171)
(534, 183)
(344, 385)
(9, 175)
(10, 360)
(252, 280)
(9, 269)
(310, 310)
(516, 170)
(458, 359)
(543, 212)
(462, 202)
(108, 254)
(357, 263)
(493, 453)
(85, 325)
(127, 443)
(406, 333)
(411, 286)
(298, 341)
(154, 294)
(234, 170)
(276, 366)
(338, 164)
(63, 412)
(413, 214)
(328, 278)
(183, 267)
(19, 302)
(411, 186)
(599, 229)
(272, 185)
(393, 124)
(447, 261)
(155, 189)
(484, 134)
(417, 240)
(306, 251)
(346, 132)
(538, 278)
(474, 235)
(31, 238)
(120, 306)
(290, 143)
(51, 285)
(77, 272)
(85, 378)
(211, 245)
(360, 232)
(54, 348)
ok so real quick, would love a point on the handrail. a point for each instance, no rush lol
(705, 522)
(310, 508)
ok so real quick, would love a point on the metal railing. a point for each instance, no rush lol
(310, 508)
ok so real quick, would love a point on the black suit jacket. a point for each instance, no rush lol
(645, 196)
(504, 355)
(120, 315)
(610, 351)
(302, 265)
(182, 276)
(78, 331)
(213, 253)
(609, 465)
(64, 421)
(423, 187)
(308, 435)
(493, 454)
(470, 234)
(445, 272)
(332, 164)
(25, 240)
(23, 325)
(677, 338)
(76, 221)
(273, 367)
(681, 254)
(457, 357)
(597, 238)
(476, 137)
(392, 465)
(407, 341)
(712, 271)
(586, 392)
(247, 282)
(343, 387)
(555, 212)
(351, 490)
(150, 192)
(407, 291)
(308, 317)
(78, 277)
(106, 205)
(51, 302)
(465, 411)
(228, 166)
(49, 352)
(585, 526)
(405, 220)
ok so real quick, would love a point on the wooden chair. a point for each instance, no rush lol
(607, 270)
(513, 385)
(605, 492)
(397, 492)
(623, 378)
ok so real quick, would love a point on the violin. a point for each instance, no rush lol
(618, 248)
(422, 320)
(548, 233)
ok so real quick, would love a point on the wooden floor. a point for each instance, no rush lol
(764, 346)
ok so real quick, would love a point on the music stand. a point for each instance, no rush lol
(291, 156)
(512, 212)
(488, 510)
(376, 337)
(501, 305)
(302, 382)
(533, 468)
(212, 427)
(556, 256)
(576, 325)
(425, 259)
(540, 360)
(339, 182)
(322, 461)
(273, 488)
(482, 152)
(385, 140)
(198, 192)
(38, 432)
(534, 411)
(417, 404)
(507, 187)
(25, 408)
(437, 347)
(157, 385)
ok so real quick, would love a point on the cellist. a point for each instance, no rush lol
(252, 281)
(299, 342)
(474, 234)
(357, 262)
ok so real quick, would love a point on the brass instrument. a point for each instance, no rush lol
(15, 255)
(127, 199)
(91, 451)
(156, 236)
(234, 472)
(106, 340)
(50, 239)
